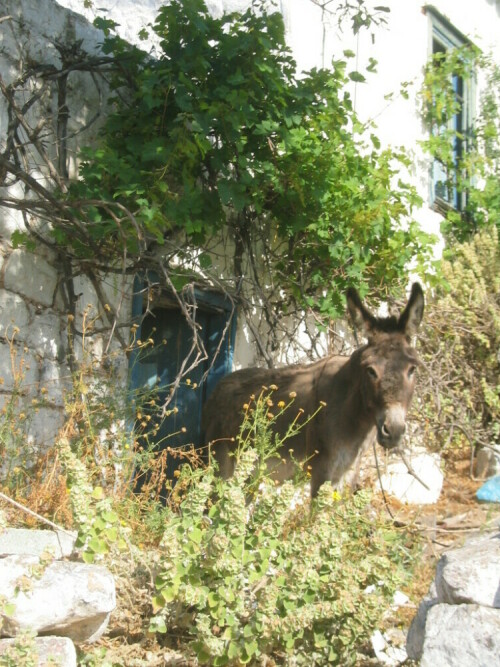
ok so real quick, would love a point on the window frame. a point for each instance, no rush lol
(444, 35)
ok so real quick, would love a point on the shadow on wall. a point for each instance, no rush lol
(495, 4)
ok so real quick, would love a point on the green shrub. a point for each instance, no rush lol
(460, 386)
(249, 570)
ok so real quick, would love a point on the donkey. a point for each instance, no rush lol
(367, 396)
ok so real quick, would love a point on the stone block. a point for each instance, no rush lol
(10, 220)
(461, 636)
(471, 574)
(44, 426)
(20, 371)
(13, 313)
(31, 276)
(43, 335)
(24, 541)
(66, 598)
(54, 382)
(54, 651)
(416, 633)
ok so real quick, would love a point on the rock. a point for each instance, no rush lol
(461, 636)
(64, 598)
(13, 313)
(466, 595)
(385, 652)
(398, 482)
(11, 373)
(44, 337)
(30, 276)
(471, 574)
(416, 633)
(487, 462)
(58, 651)
(23, 541)
(44, 427)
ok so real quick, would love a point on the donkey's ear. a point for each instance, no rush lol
(361, 318)
(410, 318)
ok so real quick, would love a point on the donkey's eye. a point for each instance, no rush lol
(411, 371)
(372, 372)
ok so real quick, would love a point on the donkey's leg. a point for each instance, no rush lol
(322, 471)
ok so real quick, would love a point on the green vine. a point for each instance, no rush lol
(218, 165)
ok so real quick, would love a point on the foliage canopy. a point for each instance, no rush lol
(220, 140)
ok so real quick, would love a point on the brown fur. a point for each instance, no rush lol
(367, 396)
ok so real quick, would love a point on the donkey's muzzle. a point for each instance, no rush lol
(391, 425)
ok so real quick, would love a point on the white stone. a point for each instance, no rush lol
(25, 541)
(31, 276)
(461, 636)
(400, 599)
(10, 220)
(69, 599)
(47, 651)
(471, 574)
(43, 335)
(385, 652)
(54, 381)
(43, 427)
(18, 369)
(43, 22)
(398, 482)
(14, 314)
(416, 633)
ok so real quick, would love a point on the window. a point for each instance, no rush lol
(445, 182)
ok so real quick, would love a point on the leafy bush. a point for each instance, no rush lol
(248, 570)
(222, 139)
(460, 387)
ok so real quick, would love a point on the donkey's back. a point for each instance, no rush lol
(296, 384)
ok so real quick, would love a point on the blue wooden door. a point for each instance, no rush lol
(157, 366)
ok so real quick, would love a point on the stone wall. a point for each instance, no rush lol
(33, 305)
(66, 600)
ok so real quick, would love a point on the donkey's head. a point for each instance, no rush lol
(388, 363)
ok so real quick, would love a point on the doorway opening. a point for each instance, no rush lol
(157, 366)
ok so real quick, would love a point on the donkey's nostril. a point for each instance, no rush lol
(391, 432)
